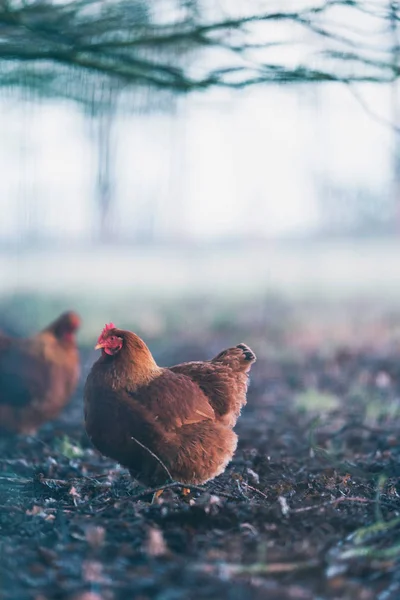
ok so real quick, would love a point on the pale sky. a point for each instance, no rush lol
(227, 162)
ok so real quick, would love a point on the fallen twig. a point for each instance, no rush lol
(9, 508)
(177, 484)
(16, 480)
(260, 568)
(333, 503)
(48, 481)
(253, 489)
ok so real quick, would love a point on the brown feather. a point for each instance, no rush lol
(37, 377)
(223, 380)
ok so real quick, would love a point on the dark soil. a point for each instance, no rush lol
(309, 507)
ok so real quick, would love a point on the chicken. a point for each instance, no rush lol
(38, 375)
(164, 424)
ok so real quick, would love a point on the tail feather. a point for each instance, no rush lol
(248, 353)
(240, 357)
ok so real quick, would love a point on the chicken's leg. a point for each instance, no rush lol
(156, 495)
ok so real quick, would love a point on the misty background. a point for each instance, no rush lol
(246, 185)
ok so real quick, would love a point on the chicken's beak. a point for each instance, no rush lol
(98, 346)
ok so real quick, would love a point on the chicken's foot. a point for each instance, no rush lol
(156, 495)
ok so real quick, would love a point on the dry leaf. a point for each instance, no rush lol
(95, 535)
(155, 545)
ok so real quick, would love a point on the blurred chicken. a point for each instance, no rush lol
(164, 423)
(38, 375)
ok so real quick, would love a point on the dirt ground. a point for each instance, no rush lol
(309, 507)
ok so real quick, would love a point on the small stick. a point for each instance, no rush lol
(253, 489)
(48, 481)
(333, 503)
(177, 484)
(17, 480)
(154, 456)
(260, 568)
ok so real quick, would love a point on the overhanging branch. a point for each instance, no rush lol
(124, 44)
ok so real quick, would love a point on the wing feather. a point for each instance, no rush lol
(23, 374)
(175, 400)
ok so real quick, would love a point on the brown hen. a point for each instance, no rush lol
(38, 375)
(165, 424)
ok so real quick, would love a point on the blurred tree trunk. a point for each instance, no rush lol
(104, 186)
(105, 169)
(393, 7)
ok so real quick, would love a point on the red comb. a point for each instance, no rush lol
(105, 329)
